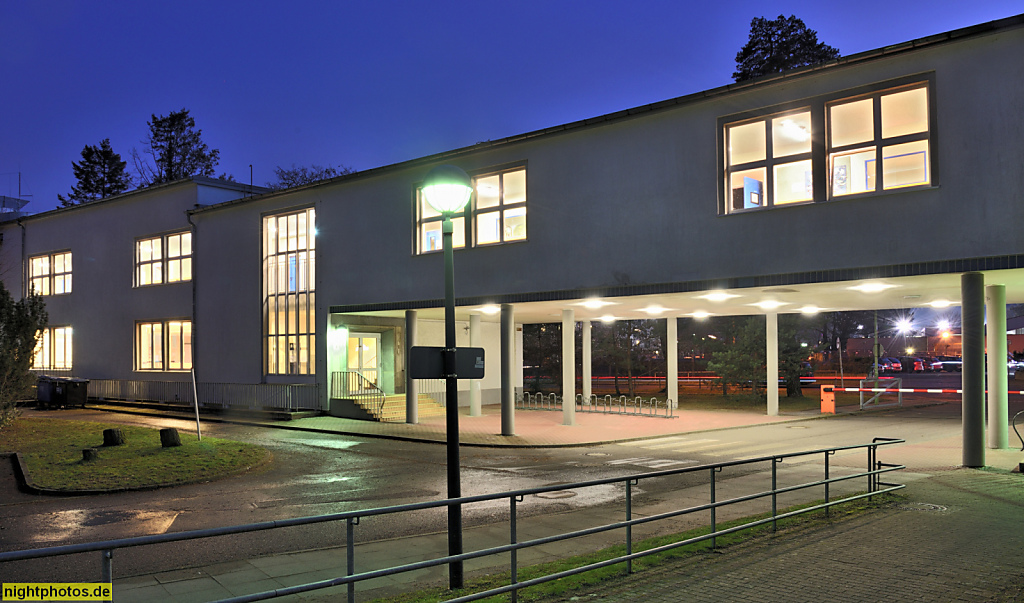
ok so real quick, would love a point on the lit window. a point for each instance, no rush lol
(164, 259)
(769, 161)
(163, 345)
(890, 124)
(875, 141)
(149, 345)
(50, 274)
(496, 214)
(179, 257)
(289, 285)
(53, 351)
(499, 209)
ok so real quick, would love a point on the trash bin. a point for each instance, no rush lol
(76, 392)
(57, 392)
(50, 392)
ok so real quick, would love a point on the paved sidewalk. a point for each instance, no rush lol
(956, 538)
(535, 428)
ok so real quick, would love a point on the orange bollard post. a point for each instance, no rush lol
(828, 399)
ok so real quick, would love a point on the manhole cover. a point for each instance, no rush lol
(597, 454)
(923, 507)
(556, 494)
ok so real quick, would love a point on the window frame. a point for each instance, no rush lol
(879, 141)
(164, 346)
(288, 293)
(770, 161)
(47, 349)
(471, 212)
(821, 150)
(50, 277)
(164, 262)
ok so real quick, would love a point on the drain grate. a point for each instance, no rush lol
(557, 494)
(923, 507)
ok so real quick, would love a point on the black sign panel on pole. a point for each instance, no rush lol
(426, 362)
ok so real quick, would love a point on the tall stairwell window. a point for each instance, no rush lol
(289, 284)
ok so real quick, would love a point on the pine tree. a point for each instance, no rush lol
(20, 325)
(100, 174)
(176, 149)
(780, 45)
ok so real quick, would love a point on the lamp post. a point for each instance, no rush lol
(447, 189)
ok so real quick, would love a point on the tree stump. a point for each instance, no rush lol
(169, 437)
(90, 454)
(113, 437)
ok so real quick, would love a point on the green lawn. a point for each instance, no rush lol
(52, 451)
(564, 588)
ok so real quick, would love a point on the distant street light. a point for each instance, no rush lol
(447, 189)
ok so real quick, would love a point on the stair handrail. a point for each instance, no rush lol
(354, 381)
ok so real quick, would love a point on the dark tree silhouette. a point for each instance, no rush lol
(780, 45)
(100, 174)
(175, 150)
(21, 322)
(297, 176)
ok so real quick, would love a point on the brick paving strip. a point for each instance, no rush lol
(957, 537)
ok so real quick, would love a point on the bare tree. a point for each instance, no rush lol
(298, 176)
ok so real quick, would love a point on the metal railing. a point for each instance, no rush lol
(625, 406)
(880, 387)
(251, 396)
(352, 385)
(875, 486)
(622, 405)
(538, 401)
(435, 389)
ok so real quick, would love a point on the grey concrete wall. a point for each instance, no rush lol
(103, 307)
(632, 201)
(229, 311)
(636, 201)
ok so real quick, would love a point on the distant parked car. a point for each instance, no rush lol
(930, 364)
(894, 365)
(911, 364)
(950, 364)
(884, 366)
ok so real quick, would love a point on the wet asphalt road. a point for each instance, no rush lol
(315, 474)
(310, 474)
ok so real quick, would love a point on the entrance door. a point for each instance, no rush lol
(364, 355)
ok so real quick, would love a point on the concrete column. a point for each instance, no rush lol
(474, 384)
(517, 373)
(672, 360)
(412, 409)
(998, 414)
(587, 359)
(568, 368)
(972, 313)
(772, 355)
(508, 358)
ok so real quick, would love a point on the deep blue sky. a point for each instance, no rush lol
(375, 82)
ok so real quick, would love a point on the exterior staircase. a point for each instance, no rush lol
(393, 410)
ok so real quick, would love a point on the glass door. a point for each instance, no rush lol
(364, 356)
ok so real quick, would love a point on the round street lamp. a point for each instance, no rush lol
(447, 189)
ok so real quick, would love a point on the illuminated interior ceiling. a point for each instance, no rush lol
(930, 291)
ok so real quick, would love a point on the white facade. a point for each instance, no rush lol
(636, 208)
